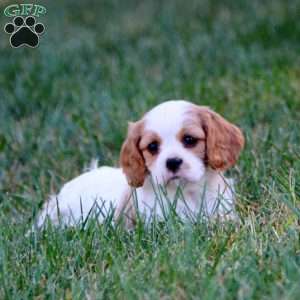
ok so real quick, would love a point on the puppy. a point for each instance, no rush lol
(175, 155)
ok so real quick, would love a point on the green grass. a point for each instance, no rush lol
(102, 63)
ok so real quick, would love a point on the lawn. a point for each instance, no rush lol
(102, 63)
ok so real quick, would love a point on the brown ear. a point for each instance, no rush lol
(224, 141)
(131, 158)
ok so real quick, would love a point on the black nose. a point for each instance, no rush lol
(173, 164)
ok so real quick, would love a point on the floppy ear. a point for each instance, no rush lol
(224, 141)
(131, 158)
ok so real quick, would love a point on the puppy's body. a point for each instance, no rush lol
(105, 190)
(96, 191)
(176, 152)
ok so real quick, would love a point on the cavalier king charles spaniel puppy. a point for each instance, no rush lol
(175, 155)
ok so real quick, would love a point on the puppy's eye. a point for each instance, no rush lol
(153, 147)
(189, 141)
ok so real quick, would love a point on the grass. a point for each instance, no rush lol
(100, 64)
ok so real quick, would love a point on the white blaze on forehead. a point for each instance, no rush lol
(167, 118)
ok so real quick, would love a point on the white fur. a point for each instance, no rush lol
(96, 191)
(104, 188)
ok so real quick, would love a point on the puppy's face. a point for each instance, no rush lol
(177, 141)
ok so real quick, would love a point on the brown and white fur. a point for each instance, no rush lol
(177, 143)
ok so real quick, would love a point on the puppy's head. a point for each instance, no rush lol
(178, 140)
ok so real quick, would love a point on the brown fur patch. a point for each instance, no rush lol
(147, 138)
(193, 128)
(224, 141)
(131, 157)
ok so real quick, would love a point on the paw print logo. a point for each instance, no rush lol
(24, 32)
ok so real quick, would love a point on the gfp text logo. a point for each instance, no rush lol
(24, 30)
